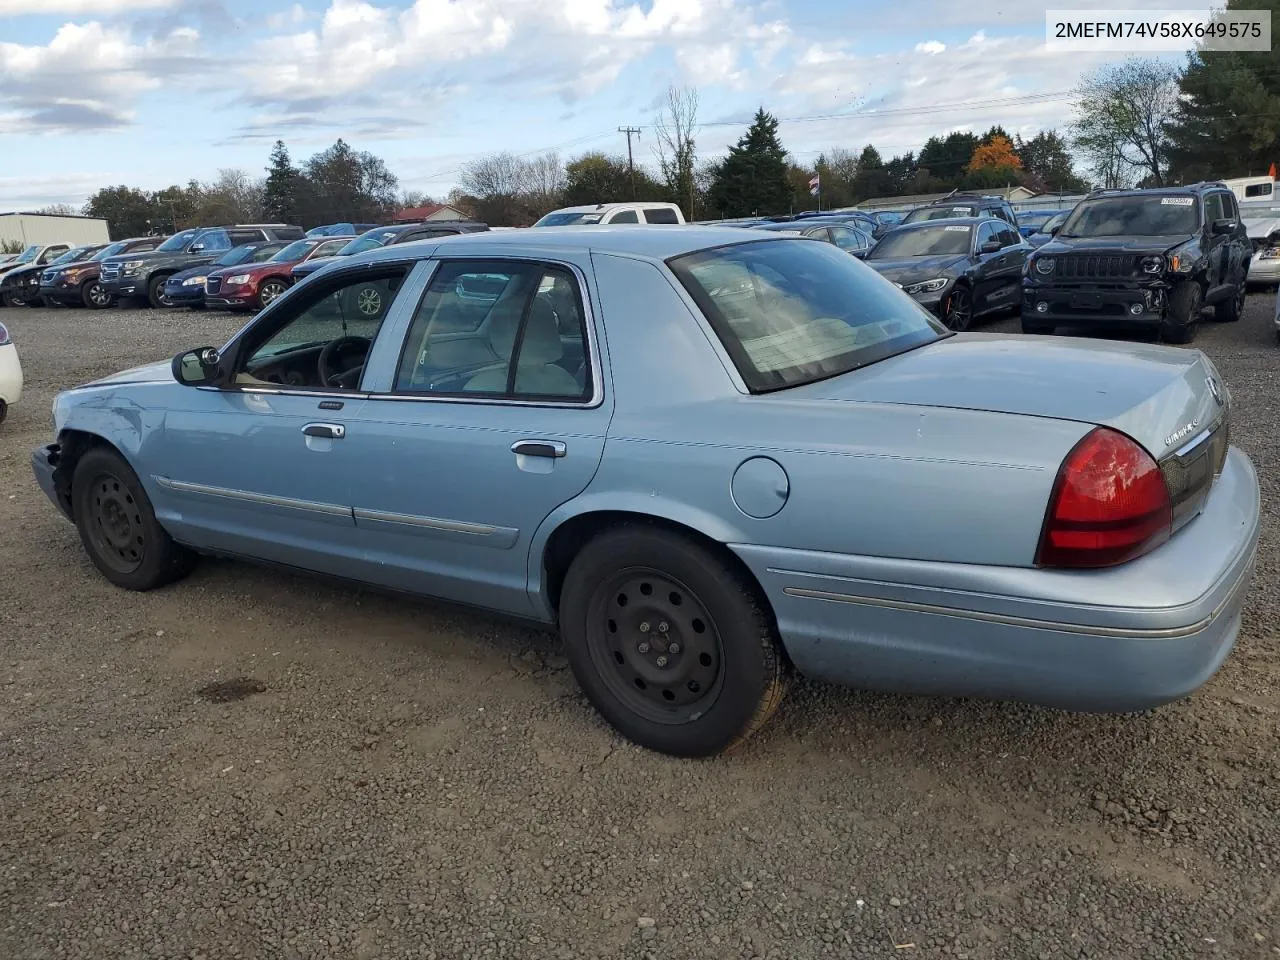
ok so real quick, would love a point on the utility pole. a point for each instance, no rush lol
(631, 166)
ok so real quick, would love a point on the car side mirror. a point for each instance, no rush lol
(197, 248)
(991, 246)
(196, 368)
(1223, 225)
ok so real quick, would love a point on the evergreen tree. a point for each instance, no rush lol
(752, 179)
(1047, 162)
(946, 159)
(873, 179)
(1227, 123)
(280, 196)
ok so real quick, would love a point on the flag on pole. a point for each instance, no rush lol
(814, 185)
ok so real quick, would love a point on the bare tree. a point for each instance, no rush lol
(1121, 114)
(59, 210)
(544, 183)
(675, 145)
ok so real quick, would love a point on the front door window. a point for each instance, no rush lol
(322, 341)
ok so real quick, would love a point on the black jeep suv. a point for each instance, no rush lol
(1151, 258)
(142, 276)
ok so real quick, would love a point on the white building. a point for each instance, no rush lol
(24, 229)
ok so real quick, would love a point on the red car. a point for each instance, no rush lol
(252, 286)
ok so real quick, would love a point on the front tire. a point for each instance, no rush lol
(95, 296)
(1183, 314)
(269, 290)
(12, 300)
(957, 313)
(118, 527)
(673, 646)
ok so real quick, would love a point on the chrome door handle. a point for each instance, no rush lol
(539, 448)
(326, 431)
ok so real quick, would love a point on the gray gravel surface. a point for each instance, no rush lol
(250, 764)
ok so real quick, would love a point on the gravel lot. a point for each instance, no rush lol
(392, 779)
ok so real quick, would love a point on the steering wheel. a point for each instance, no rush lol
(330, 377)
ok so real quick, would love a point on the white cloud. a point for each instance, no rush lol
(89, 75)
(75, 8)
(568, 47)
(931, 46)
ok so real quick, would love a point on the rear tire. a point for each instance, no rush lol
(1229, 311)
(11, 300)
(674, 647)
(1182, 317)
(118, 527)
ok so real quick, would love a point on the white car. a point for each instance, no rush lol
(606, 213)
(10, 373)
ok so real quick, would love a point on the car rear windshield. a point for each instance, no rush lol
(295, 251)
(566, 219)
(939, 213)
(941, 240)
(370, 241)
(1142, 216)
(793, 311)
(178, 241)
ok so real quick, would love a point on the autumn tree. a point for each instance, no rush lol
(998, 153)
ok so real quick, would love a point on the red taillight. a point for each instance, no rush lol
(1109, 505)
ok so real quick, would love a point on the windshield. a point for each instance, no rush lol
(923, 242)
(370, 241)
(71, 256)
(110, 250)
(939, 213)
(177, 242)
(565, 219)
(1133, 216)
(294, 251)
(29, 254)
(1057, 221)
(793, 311)
(234, 256)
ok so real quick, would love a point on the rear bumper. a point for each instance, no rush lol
(1127, 638)
(1082, 305)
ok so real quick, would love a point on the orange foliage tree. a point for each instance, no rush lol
(998, 153)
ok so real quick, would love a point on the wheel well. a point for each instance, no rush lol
(574, 534)
(72, 445)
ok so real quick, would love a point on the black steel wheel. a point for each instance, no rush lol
(118, 527)
(655, 645)
(958, 312)
(670, 641)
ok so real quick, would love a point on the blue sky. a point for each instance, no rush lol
(154, 92)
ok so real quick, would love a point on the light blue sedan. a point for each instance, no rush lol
(707, 456)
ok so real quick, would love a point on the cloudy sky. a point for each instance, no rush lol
(154, 92)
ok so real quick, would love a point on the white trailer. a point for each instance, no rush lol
(24, 229)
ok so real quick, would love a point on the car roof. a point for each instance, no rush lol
(950, 222)
(604, 207)
(651, 241)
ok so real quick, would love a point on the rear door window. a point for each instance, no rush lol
(625, 216)
(660, 215)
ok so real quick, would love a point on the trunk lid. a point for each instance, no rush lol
(1162, 397)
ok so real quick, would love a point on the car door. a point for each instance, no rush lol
(259, 466)
(1239, 248)
(988, 269)
(852, 241)
(1007, 288)
(485, 425)
(1218, 245)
